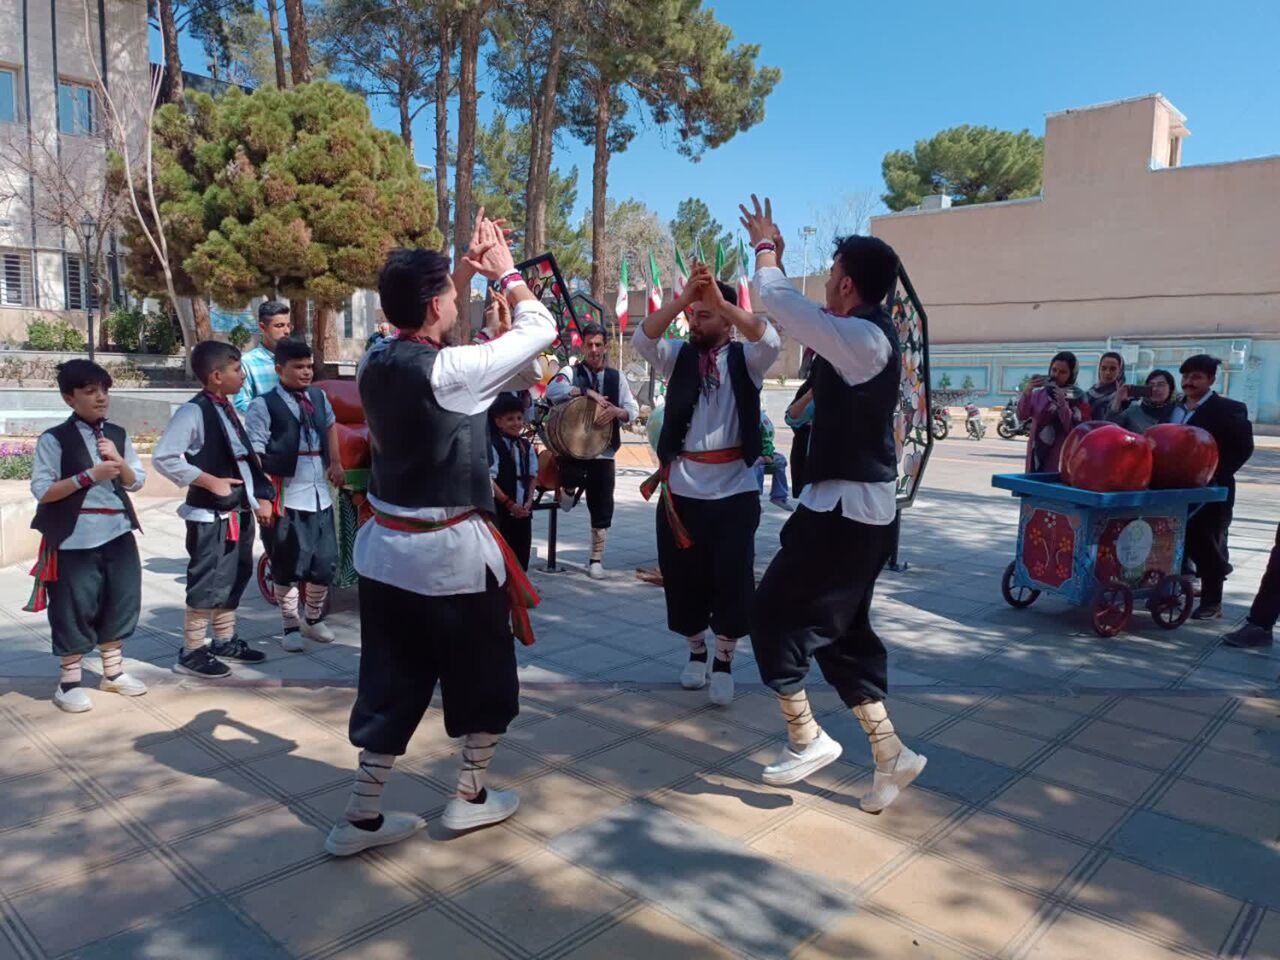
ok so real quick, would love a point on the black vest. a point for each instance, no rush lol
(281, 456)
(851, 436)
(683, 389)
(509, 471)
(216, 459)
(423, 454)
(611, 389)
(57, 520)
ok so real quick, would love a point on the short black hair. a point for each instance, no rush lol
(506, 403)
(1167, 377)
(870, 263)
(1112, 355)
(1069, 358)
(1201, 363)
(730, 295)
(292, 348)
(74, 374)
(211, 355)
(593, 329)
(409, 281)
(271, 308)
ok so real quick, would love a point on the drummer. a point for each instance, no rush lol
(708, 448)
(593, 378)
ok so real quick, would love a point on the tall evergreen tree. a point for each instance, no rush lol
(971, 164)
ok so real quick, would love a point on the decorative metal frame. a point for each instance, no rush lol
(911, 427)
(542, 274)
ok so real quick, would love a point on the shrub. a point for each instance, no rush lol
(240, 337)
(162, 334)
(125, 326)
(54, 335)
(16, 460)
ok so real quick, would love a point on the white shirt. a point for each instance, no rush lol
(560, 385)
(308, 488)
(465, 380)
(1182, 415)
(859, 351)
(185, 435)
(91, 529)
(714, 425)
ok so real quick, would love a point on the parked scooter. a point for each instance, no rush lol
(1010, 426)
(973, 425)
(940, 424)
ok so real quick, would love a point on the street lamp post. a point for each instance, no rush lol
(805, 234)
(86, 279)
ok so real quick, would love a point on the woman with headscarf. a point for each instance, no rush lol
(1156, 407)
(1054, 405)
(1110, 379)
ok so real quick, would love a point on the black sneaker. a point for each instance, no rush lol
(236, 650)
(201, 663)
(1207, 611)
(1249, 635)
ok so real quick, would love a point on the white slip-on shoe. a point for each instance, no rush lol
(694, 675)
(124, 684)
(721, 688)
(346, 838)
(462, 815)
(887, 784)
(75, 700)
(318, 631)
(292, 641)
(595, 570)
(793, 766)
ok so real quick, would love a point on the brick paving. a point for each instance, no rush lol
(1084, 797)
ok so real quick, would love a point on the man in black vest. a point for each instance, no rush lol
(293, 429)
(708, 448)
(439, 588)
(595, 379)
(815, 598)
(88, 576)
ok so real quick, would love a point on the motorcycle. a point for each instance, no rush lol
(940, 423)
(1010, 426)
(973, 425)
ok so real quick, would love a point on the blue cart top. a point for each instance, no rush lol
(1046, 486)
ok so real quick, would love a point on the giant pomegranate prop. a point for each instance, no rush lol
(1109, 459)
(1073, 440)
(1181, 455)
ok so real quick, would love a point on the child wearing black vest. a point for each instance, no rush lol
(512, 468)
(205, 448)
(88, 575)
(294, 431)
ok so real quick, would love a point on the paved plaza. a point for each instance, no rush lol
(1085, 798)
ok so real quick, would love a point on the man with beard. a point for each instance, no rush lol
(708, 448)
(815, 598)
(595, 379)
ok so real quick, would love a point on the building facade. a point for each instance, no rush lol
(1125, 249)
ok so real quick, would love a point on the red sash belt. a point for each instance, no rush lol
(659, 480)
(519, 590)
(46, 567)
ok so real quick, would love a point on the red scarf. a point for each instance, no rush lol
(709, 368)
(420, 338)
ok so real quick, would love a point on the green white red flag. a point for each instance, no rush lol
(744, 286)
(622, 304)
(655, 285)
(682, 274)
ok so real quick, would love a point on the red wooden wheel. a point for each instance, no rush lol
(1112, 606)
(265, 586)
(1171, 602)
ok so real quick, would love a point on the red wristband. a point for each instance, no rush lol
(509, 279)
(765, 246)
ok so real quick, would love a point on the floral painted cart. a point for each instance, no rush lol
(1102, 550)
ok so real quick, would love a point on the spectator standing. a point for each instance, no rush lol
(259, 364)
(1257, 629)
(1054, 406)
(1139, 415)
(1109, 380)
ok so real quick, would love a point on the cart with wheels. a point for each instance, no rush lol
(1106, 551)
(351, 510)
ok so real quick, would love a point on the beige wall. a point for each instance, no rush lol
(1118, 244)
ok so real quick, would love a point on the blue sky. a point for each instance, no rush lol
(863, 78)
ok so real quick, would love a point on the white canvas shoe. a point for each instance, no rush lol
(694, 675)
(887, 784)
(595, 570)
(345, 838)
(125, 685)
(318, 631)
(293, 642)
(462, 815)
(75, 700)
(792, 766)
(721, 688)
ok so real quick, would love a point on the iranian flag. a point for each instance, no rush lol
(698, 253)
(720, 259)
(744, 286)
(655, 285)
(682, 274)
(622, 304)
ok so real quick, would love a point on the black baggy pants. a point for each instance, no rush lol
(1207, 548)
(1266, 605)
(815, 602)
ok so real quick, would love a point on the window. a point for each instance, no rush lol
(8, 96)
(75, 108)
(78, 288)
(15, 278)
(348, 320)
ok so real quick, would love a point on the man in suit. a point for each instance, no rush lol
(1227, 421)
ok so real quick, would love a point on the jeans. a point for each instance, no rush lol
(778, 489)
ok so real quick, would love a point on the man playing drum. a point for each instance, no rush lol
(595, 379)
(708, 448)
